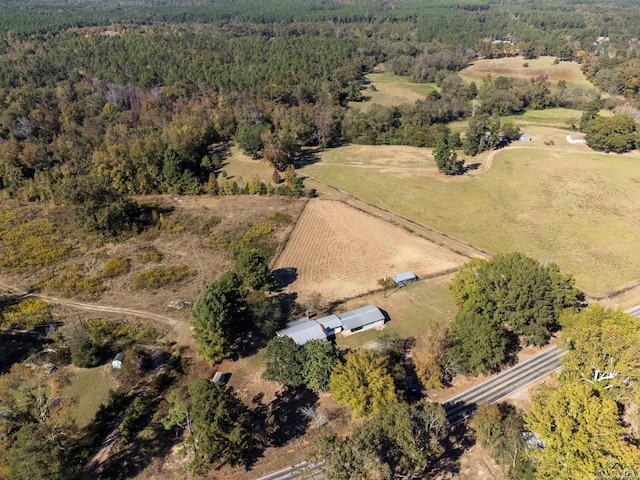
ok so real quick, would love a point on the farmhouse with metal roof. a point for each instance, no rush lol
(305, 329)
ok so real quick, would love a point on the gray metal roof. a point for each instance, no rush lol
(360, 317)
(404, 277)
(302, 332)
(332, 322)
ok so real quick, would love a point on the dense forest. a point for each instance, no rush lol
(149, 97)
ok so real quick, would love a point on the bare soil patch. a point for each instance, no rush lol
(339, 252)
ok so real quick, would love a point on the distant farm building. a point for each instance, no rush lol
(576, 138)
(117, 361)
(402, 279)
(305, 329)
(524, 138)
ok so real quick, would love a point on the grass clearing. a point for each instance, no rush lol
(566, 203)
(556, 117)
(392, 90)
(241, 167)
(570, 72)
(90, 387)
(410, 309)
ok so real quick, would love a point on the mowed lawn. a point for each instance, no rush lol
(410, 309)
(573, 206)
(570, 72)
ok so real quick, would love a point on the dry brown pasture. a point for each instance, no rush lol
(339, 251)
(231, 215)
(570, 72)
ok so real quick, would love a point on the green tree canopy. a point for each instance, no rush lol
(34, 455)
(216, 316)
(446, 157)
(612, 134)
(399, 442)
(320, 359)
(253, 269)
(499, 428)
(284, 361)
(221, 426)
(363, 383)
(515, 292)
(476, 342)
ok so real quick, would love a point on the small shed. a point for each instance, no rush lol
(362, 318)
(218, 377)
(576, 138)
(117, 361)
(402, 279)
(524, 137)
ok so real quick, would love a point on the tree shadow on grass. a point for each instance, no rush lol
(470, 167)
(307, 157)
(281, 420)
(131, 460)
(283, 277)
(459, 442)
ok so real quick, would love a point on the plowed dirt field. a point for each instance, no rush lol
(340, 252)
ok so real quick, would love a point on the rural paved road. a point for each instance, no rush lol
(496, 388)
(463, 405)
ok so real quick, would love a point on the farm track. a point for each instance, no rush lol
(172, 322)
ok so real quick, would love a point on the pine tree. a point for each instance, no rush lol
(446, 158)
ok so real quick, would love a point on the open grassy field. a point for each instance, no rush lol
(90, 387)
(341, 252)
(392, 90)
(241, 167)
(566, 203)
(410, 309)
(570, 72)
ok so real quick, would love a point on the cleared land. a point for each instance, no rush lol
(410, 309)
(341, 252)
(241, 167)
(570, 72)
(98, 381)
(565, 203)
(391, 90)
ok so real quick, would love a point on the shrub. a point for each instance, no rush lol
(119, 333)
(255, 230)
(71, 282)
(29, 244)
(26, 314)
(161, 276)
(219, 242)
(279, 217)
(149, 254)
(116, 266)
